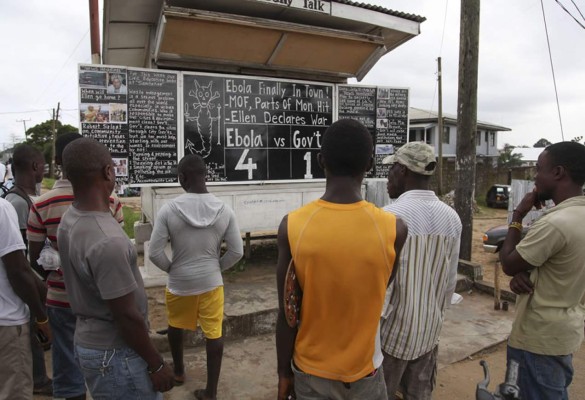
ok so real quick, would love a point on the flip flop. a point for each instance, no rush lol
(200, 394)
(179, 380)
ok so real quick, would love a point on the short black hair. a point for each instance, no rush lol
(24, 155)
(571, 156)
(192, 164)
(347, 148)
(83, 159)
(63, 140)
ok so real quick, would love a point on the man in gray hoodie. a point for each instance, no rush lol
(197, 223)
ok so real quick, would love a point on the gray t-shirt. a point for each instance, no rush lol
(21, 207)
(99, 264)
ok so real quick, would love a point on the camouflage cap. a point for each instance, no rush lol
(416, 156)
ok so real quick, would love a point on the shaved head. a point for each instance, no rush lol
(24, 155)
(84, 160)
(192, 165)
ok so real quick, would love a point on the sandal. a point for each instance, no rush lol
(200, 394)
(179, 380)
(45, 390)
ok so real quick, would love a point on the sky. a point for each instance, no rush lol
(42, 43)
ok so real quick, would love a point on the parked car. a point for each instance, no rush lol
(494, 238)
(498, 195)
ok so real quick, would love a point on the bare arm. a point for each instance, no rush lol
(512, 262)
(29, 288)
(401, 234)
(285, 335)
(132, 328)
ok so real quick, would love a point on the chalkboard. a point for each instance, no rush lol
(152, 119)
(134, 113)
(247, 129)
(384, 111)
(250, 129)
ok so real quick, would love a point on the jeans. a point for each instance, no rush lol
(116, 374)
(67, 377)
(310, 387)
(542, 377)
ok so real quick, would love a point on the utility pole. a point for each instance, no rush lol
(467, 120)
(94, 27)
(24, 121)
(441, 128)
(54, 138)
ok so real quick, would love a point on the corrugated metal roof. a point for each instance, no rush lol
(417, 115)
(411, 17)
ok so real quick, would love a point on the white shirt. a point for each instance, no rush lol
(13, 311)
(2, 172)
(427, 275)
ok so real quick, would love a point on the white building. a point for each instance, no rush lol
(424, 126)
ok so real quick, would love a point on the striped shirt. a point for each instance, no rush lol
(422, 289)
(43, 221)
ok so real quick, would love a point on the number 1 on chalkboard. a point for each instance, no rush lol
(249, 166)
(307, 158)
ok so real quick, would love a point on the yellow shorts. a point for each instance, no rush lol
(205, 309)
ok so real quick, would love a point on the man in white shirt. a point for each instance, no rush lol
(19, 287)
(425, 282)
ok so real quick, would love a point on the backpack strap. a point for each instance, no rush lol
(19, 192)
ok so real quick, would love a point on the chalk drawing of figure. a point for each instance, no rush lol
(199, 121)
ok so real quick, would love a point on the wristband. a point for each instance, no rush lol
(43, 322)
(154, 371)
(516, 225)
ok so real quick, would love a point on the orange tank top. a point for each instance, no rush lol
(344, 255)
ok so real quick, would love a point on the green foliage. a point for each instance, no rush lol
(130, 217)
(41, 136)
(48, 183)
(507, 159)
(542, 143)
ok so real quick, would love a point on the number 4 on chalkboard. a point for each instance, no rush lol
(249, 166)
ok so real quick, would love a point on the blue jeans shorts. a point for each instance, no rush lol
(115, 374)
(542, 377)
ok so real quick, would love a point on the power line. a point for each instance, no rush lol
(63, 66)
(34, 111)
(578, 10)
(440, 50)
(568, 12)
(553, 70)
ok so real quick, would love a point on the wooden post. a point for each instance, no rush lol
(467, 121)
(247, 247)
(497, 285)
(441, 129)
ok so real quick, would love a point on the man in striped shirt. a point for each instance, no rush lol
(44, 218)
(413, 316)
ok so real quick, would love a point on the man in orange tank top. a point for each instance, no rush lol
(344, 251)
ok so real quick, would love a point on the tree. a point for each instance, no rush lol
(509, 159)
(542, 143)
(577, 139)
(41, 135)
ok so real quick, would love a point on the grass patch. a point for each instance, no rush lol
(130, 217)
(48, 183)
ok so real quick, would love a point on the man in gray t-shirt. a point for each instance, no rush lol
(115, 353)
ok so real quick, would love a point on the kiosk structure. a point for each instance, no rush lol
(251, 86)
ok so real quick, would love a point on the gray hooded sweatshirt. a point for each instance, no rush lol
(196, 224)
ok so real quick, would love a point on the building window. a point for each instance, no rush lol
(493, 139)
(429, 136)
(446, 134)
(478, 138)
